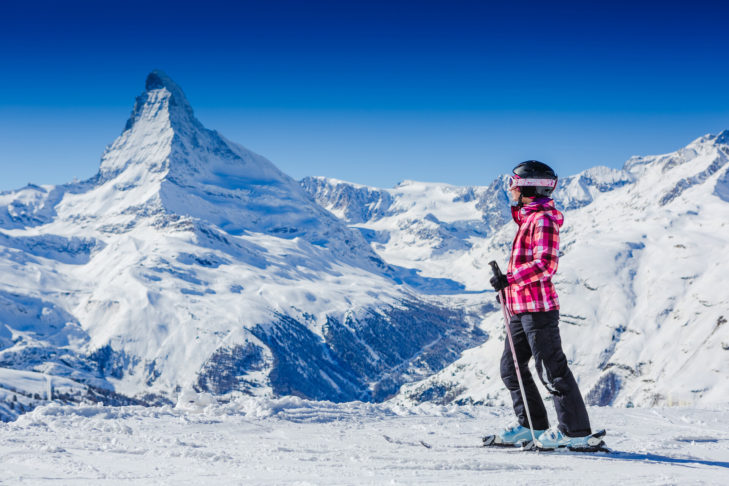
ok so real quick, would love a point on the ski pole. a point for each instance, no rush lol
(507, 314)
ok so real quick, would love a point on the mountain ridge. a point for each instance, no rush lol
(189, 262)
(633, 274)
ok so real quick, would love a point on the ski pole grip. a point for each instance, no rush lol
(495, 268)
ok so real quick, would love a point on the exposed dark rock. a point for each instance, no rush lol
(437, 392)
(367, 358)
(605, 390)
(112, 363)
(224, 371)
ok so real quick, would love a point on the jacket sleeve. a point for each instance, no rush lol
(545, 253)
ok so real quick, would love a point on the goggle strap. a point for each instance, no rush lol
(518, 181)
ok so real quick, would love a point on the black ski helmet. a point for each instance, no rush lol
(534, 178)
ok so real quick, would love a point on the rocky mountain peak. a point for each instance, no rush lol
(158, 80)
(162, 98)
(722, 137)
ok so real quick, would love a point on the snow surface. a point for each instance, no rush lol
(297, 442)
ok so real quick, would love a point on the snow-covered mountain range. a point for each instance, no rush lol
(189, 263)
(643, 306)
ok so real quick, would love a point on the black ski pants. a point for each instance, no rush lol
(537, 334)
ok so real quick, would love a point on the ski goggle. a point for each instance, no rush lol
(516, 181)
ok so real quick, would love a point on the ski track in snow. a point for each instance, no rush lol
(290, 441)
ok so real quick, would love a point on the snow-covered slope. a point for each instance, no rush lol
(435, 228)
(640, 280)
(255, 441)
(190, 262)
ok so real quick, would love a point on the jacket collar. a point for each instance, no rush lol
(520, 212)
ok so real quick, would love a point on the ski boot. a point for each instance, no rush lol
(515, 435)
(554, 439)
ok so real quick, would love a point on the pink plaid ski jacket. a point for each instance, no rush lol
(534, 257)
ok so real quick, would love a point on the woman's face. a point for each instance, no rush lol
(514, 193)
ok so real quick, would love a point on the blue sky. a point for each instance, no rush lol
(371, 92)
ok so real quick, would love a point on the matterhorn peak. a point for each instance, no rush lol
(167, 161)
(157, 80)
(160, 113)
(161, 97)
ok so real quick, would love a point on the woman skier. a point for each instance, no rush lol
(531, 301)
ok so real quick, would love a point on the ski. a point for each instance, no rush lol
(594, 444)
(491, 441)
